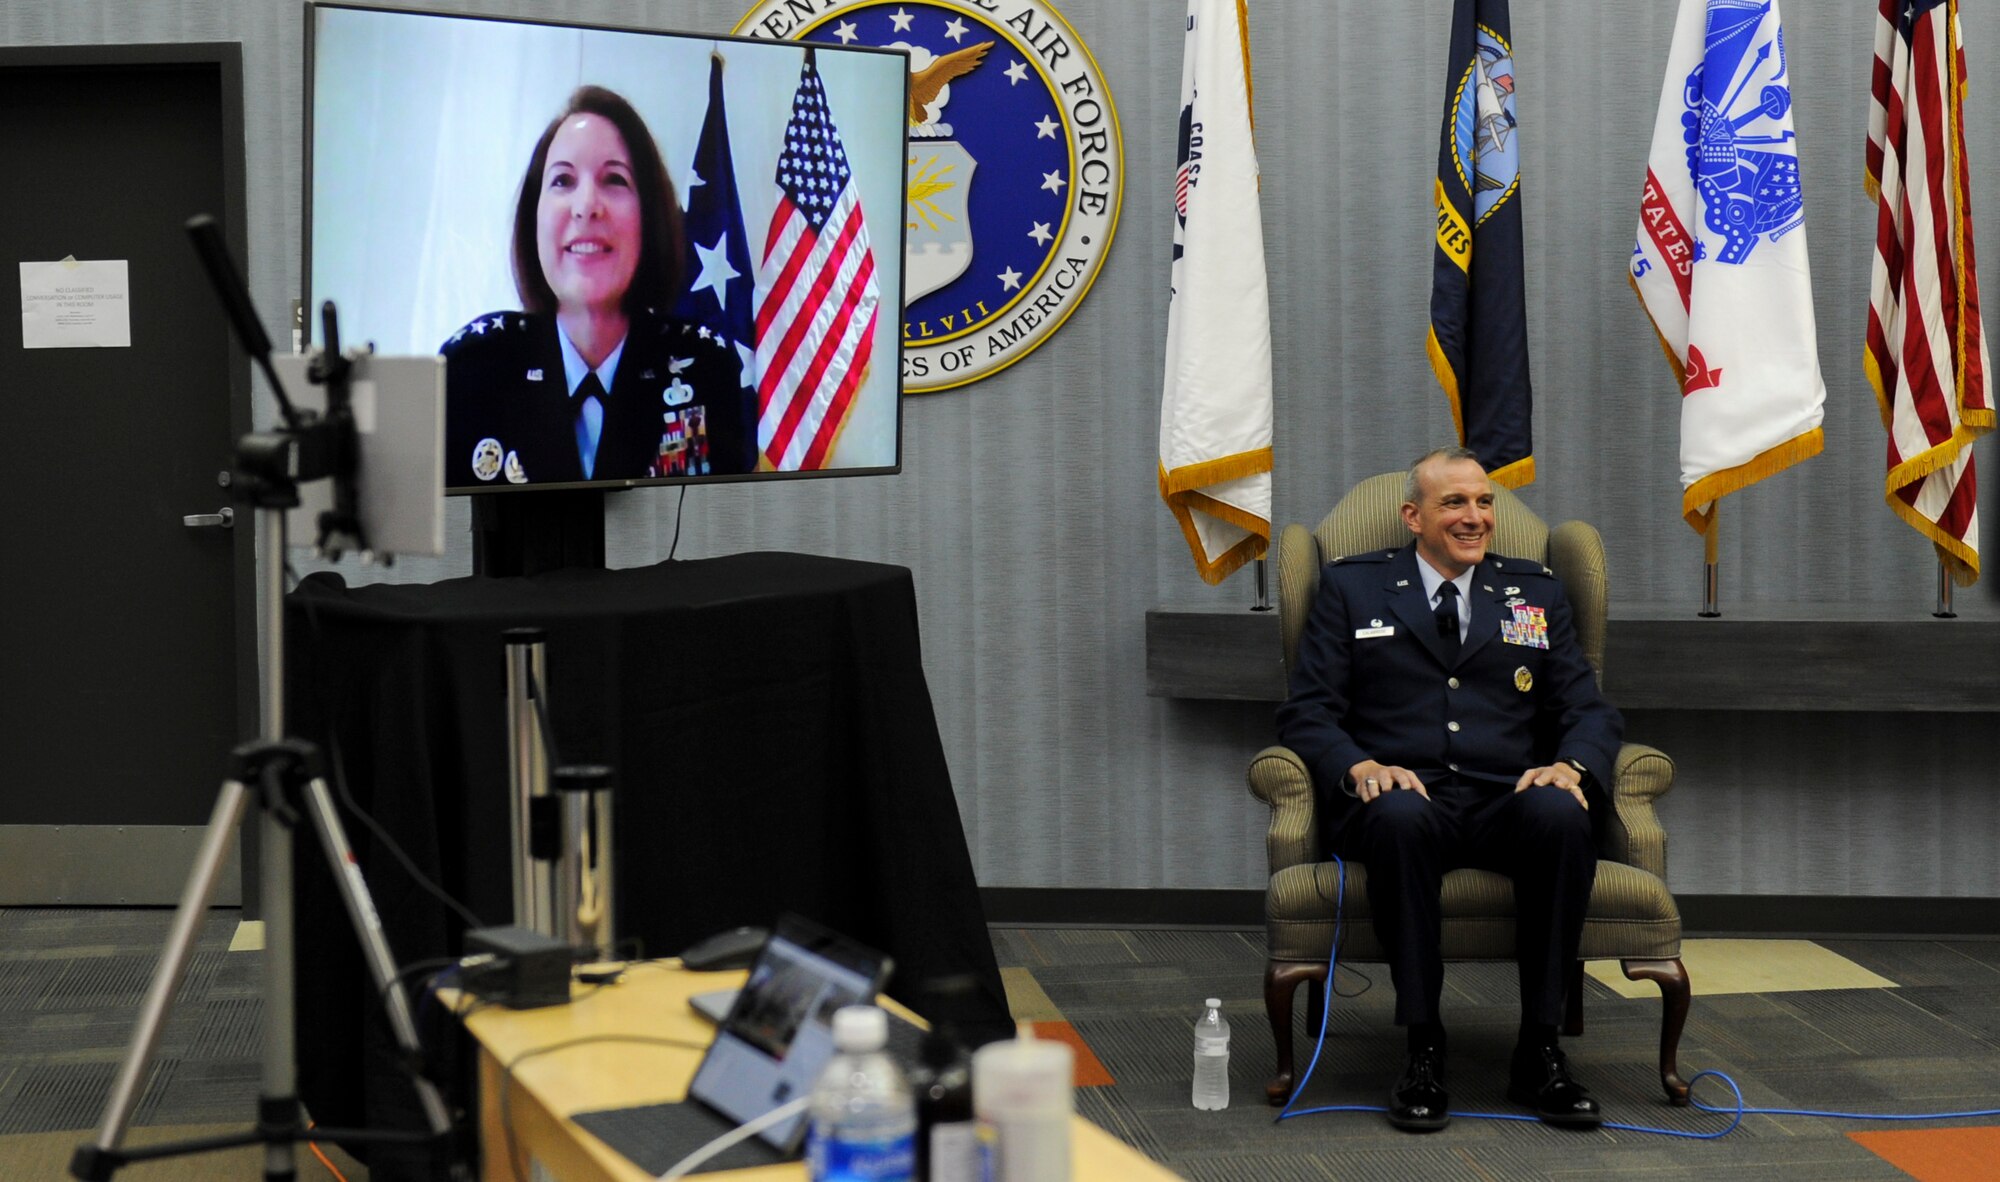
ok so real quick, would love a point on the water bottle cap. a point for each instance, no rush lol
(1213, 1003)
(860, 1029)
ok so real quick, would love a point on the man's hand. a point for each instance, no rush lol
(1372, 779)
(1561, 775)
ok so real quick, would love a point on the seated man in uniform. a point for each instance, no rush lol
(1449, 718)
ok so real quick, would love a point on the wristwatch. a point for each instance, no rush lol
(1582, 772)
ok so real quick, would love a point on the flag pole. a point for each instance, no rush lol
(1709, 582)
(1944, 611)
(1263, 603)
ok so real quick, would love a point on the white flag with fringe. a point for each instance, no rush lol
(1215, 411)
(1720, 263)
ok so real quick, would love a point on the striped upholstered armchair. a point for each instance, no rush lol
(1632, 917)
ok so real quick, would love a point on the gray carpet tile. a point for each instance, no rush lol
(1870, 1023)
(1974, 1012)
(232, 1028)
(48, 1096)
(71, 984)
(1912, 963)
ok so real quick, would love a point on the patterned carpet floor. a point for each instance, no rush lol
(1894, 1026)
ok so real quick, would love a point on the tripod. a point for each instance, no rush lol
(284, 778)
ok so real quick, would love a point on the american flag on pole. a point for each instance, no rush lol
(818, 301)
(1926, 353)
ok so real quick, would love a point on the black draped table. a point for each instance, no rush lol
(774, 745)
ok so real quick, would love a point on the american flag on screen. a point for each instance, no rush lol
(1926, 353)
(818, 298)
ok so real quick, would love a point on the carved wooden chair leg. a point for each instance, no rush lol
(1573, 1001)
(1281, 982)
(1315, 1007)
(1672, 978)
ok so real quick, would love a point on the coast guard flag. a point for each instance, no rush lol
(1215, 411)
(1479, 320)
(1720, 263)
(818, 299)
(719, 294)
(1926, 352)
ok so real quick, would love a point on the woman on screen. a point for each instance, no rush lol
(592, 380)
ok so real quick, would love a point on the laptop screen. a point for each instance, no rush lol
(778, 1036)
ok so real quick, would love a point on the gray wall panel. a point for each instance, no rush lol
(1028, 508)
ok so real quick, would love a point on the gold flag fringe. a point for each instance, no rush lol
(1716, 485)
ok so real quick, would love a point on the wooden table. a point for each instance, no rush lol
(534, 1095)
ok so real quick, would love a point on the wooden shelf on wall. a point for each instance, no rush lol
(1797, 657)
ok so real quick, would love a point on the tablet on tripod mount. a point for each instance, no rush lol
(398, 405)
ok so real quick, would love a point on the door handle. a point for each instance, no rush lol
(222, 520)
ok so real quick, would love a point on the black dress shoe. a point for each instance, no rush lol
(1540, 1079)
(1418, 1103)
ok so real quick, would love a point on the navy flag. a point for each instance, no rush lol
(722, 286)
(1479, 321)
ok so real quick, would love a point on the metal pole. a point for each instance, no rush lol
(1263, 603)
(1711, 581)
(583, 874)
(374, 942)
(528, 779)
(274, 850)
(1944, 611)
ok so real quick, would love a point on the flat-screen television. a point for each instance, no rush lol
(646, 257)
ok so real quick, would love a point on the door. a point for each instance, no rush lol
(128, 636)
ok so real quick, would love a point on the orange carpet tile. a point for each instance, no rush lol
(1938, 1155)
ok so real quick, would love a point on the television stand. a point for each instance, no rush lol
(530, 533)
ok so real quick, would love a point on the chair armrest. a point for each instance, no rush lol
(1279, 778)
(1635, 836)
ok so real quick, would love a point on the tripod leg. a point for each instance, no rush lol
(374, 945)
(167, 976)
(278, 1097)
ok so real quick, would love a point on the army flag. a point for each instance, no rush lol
(1215, 411)
(1926, 353)
(1479, 318)
(722, 284)
(1720, 261)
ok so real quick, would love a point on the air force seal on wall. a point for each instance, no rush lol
(1014, 177)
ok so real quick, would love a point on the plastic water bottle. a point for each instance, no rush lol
(864, 1121)
(1211, 1057)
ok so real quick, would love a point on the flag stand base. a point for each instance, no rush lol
(1944, 611)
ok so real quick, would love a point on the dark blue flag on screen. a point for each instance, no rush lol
(721, 283)
(1479, 323)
